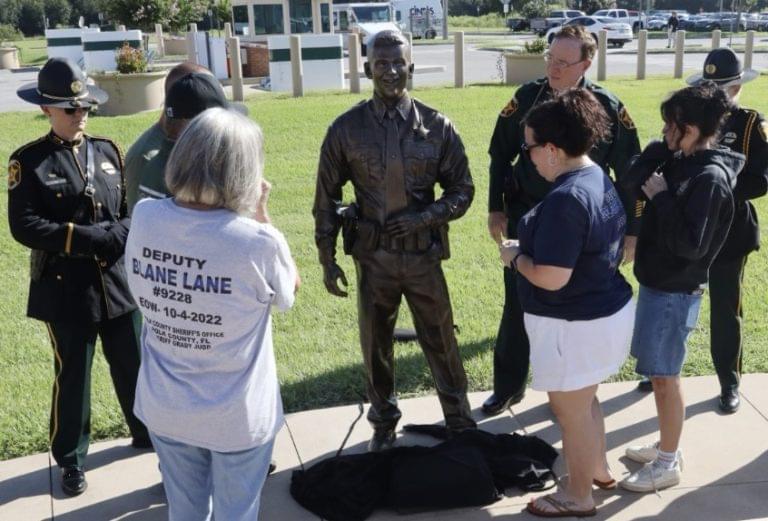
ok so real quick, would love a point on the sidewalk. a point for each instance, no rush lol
(725, 477)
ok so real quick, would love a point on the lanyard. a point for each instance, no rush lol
(90, 169)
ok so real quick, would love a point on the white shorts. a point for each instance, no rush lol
(570, 355)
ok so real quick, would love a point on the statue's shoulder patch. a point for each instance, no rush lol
(14, 174)
(626, 119)
(510, 108)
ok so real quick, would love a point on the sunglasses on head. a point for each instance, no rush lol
(71, 110)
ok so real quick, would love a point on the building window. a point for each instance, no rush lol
(240, 18)
(325, 17)
(268, 19)
(301, 16)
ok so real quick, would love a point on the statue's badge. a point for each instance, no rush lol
(14, 174)
(108, 168)
(76, 86)
(710, 68)
(729, 138)
(626, 119)
(509, 109)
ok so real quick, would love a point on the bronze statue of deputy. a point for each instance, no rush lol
(394, 149)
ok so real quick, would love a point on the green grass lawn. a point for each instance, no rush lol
(316, 344)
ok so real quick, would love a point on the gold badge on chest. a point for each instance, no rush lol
(14, 174)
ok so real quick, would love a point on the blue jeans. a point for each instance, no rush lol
(663, 323)
(196, 479)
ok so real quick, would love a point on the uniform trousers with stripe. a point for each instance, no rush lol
(74, 344)
(725, 296)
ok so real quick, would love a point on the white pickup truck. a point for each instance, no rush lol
(632, 18)
(557, 17)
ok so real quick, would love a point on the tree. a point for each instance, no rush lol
(57, 12)
(185, 12)
(9, 12)
(88, 9)
(142, 14)
(31, 15)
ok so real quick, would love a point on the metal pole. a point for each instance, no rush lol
(445, 19)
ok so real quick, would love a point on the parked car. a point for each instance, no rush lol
(517, 24)
(619, 33)
(762, 24)
(657, 23)
(725, 21)
(557, 17)
(635, 21)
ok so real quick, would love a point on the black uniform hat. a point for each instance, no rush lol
(61, 83)
(724, 68)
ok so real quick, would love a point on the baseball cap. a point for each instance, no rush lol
(192, 94)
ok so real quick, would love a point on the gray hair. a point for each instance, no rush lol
(218, 160)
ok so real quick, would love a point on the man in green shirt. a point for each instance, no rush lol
(515, 187)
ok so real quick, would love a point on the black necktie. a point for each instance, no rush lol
(397, 199)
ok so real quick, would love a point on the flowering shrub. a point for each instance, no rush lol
(130, 60)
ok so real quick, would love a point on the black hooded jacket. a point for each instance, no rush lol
(684, 227)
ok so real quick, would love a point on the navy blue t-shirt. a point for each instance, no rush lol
(580, 225)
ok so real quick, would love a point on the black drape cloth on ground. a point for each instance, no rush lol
(471, 468)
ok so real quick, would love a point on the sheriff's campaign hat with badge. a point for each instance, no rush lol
(61, 83)
(724, 68)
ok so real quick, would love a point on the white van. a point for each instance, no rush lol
(422, 18)
(368, 18)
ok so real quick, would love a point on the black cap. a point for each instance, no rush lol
(192, 94)
(61, 83)
(724, 68)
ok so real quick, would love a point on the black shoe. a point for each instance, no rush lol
(272, 467)
(382, 439)
(73, 480)
(729, 401)
(645, 386)
(496, 405)
(141, 443)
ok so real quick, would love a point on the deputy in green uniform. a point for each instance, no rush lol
(517, 187)
(744, 131)
(66, 201)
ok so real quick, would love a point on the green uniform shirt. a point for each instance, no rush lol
(516, 187)
(145, 166)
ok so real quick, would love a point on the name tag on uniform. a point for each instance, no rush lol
(108, 168)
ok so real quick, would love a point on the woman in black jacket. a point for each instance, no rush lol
(686, 181)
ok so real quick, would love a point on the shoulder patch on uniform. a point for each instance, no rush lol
(509, 109)
(108, 168)
(14, 174)
(626, 119)
(762, 128)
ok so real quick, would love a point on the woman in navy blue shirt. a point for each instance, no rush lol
(578, 307)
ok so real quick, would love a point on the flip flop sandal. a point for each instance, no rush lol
(561, 509)
(605, 485)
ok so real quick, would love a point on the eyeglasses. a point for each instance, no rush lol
(69, 111)
(558, 64)
(526, 148)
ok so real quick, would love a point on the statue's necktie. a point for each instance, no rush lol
(397, 199)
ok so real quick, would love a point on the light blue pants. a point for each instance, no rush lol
(199, 482)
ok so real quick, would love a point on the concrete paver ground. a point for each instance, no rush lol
(724, 476)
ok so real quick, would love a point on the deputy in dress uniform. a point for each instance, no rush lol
(744, 131)
(515, 188)
(66, 201)
(394, 149)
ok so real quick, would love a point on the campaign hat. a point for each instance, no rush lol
(723, 67)
(61, 83)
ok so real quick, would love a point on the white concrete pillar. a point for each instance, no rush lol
(749, 49)
(192, 43)
(602, 49)
(235, 68)
(121, 28)
(227, 30)
(409, 37)
(317, 20)
(354, 62)
(297, 73)
(160, 40)
(679, 53)
(642, 46)
(716, 38)
(458, 59)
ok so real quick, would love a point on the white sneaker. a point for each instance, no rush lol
(652, 478)
(643, 453)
